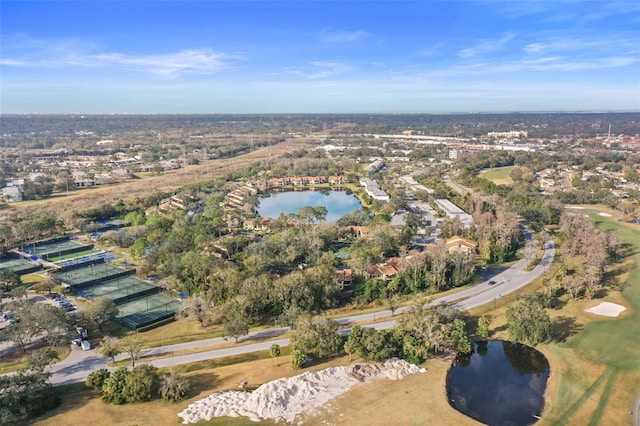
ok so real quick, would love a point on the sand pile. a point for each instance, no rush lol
(284, 399)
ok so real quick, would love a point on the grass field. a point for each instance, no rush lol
(596, 373)
(499, 175)
(85, 199)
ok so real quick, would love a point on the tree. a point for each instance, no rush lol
(438, 261)
(196, 308)
(18, 293)
(110, 347)
(40, 359)
(318, 336)
(459, 338)
(27, 393)
(100, 310)
(113, 386)
(19, 334)
(47, 284)
(173, 387)
(392, 302)
(51, 321)
(528, 322)
(141, 384)
(274, 351)
(132, 345)
(138, 248)
(37, 319)
(298, 357)
(236, 321)
(9, 279)
(379, 345)
(354, 341)
(483, 327)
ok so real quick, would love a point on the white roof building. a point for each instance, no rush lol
(11, 194)
(454, 212)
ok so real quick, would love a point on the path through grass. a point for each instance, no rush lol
(576, 405)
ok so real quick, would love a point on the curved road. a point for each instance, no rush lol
(79, 364)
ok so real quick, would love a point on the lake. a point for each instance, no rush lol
(500, 383)
(338, 203)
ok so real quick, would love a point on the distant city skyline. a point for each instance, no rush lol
(318, 57)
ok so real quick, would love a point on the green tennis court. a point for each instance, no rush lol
(18, 265)
(119, 290)
(55, 248)
(91, 274)
(146, 310)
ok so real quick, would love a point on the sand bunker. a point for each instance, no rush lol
(605, 214)
(607, 309)
(285, 398)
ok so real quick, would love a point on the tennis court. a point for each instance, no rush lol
(139, 303)
(146, 310)
(18, 265)
(87, 258)
(88, 274)
(56, 248)
(120, 290)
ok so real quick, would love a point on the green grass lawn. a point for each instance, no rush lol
(498, 175)
(598, 369)
(616, 343)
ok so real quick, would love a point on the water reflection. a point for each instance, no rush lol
(500, 383)
(338, 203)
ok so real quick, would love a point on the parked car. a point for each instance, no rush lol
(82, 332)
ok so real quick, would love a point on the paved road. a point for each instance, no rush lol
(79, 364)
(636, 412)
(462, 190)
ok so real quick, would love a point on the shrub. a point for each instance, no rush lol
(173, 387)
(96, 379)
(298, 357)
(113, 386)
(141, 384)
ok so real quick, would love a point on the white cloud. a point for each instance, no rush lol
(193, 61)
(575, 44)
(321, 69)
(552, 64)
(342, 36)
(60, 54)
(485, 45)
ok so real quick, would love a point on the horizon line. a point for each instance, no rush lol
(622, 111)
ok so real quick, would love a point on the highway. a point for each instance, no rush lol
(79, 364)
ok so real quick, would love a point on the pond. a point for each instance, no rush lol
(500, 383)
(338, 203)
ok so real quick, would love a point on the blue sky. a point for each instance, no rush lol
(319, 57)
